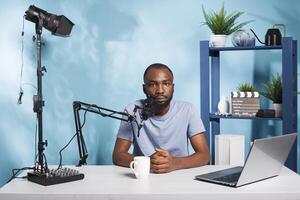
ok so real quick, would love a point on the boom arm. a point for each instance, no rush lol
(104, 112)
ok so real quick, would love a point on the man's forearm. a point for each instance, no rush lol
(122, 159)
(195, 160)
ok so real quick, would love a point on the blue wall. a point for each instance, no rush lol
(103, 62)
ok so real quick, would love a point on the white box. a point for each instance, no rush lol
(229, 150)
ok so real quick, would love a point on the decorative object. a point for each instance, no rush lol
(242, 38)
(278, 109)
(218, 40)
(223, 24)
(229, 150)
(223, 106)
(265, 113)
(273, 35)
(273, 91)
(245, 103)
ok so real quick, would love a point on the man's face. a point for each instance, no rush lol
(159, 85)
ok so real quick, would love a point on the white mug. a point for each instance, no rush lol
(140, 166)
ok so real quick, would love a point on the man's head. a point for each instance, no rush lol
(158, 84)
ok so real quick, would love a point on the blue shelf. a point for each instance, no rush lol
(210, 86)
(214, 116)
(244, 48)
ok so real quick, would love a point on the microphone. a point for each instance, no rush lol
(147, 109)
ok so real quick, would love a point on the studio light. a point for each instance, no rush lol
(57, 24)
(61, 26)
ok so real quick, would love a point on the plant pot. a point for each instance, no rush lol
(218, 40)
(278, 109)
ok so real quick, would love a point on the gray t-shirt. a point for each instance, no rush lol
(170, 131)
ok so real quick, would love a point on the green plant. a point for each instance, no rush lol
(246, 87)
(221, 23)
(273, 89)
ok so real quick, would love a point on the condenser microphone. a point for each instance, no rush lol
(147, 109)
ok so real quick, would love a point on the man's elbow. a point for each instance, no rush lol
(207, 158)
(115, 159)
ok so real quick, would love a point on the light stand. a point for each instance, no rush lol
(61, 26)
(104, 112)
(38, 101)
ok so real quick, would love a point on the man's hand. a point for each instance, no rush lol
(162, 161)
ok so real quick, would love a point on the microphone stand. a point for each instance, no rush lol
(104, 112)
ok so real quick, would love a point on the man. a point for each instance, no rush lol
(164, 135)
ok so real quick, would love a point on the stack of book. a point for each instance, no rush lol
(245, 103)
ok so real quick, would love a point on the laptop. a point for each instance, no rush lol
(265, 160)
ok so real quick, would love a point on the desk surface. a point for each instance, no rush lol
(112, 182)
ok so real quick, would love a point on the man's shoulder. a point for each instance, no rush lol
(130, 107)
(178, 104)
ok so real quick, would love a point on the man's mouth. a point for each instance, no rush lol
(160, 98)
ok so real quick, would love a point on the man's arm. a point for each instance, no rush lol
(162, 161)
(121, 156)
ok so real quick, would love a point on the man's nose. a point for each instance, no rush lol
(159, 89)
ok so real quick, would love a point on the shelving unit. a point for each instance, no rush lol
(210, 91)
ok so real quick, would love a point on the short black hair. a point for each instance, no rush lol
(157, 66)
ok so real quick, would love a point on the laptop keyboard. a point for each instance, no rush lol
(231, 178)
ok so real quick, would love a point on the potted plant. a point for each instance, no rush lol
(273, 91)
(222, 24)
(246, 87)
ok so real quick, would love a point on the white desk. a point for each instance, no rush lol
(112, 182)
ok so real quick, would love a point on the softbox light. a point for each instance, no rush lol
(57, 24)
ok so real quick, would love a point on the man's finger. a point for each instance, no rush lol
(158, 161)
(159, 167)
(162, 152)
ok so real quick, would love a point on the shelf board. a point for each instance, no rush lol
(214, 116)
(244, 48)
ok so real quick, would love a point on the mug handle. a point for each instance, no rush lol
(132, 163)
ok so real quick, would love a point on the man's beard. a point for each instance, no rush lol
(160, 105)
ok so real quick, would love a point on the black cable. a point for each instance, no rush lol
(16, 171)
(35, 140)
(84, 120)
(46, 164)
(60, 152)
(103, 114)
(137, 124)
(22, 64)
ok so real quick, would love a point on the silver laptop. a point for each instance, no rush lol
(265, 160)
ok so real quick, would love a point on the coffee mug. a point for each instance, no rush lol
(140, 166)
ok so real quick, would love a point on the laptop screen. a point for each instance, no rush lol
(266, 158)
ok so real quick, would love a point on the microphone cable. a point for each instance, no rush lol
(60, 152)
(22, 64)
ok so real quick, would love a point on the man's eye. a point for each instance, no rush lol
(151, 84)
(167, 84)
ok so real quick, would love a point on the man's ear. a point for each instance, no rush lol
(144, 89)
(173, 87)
